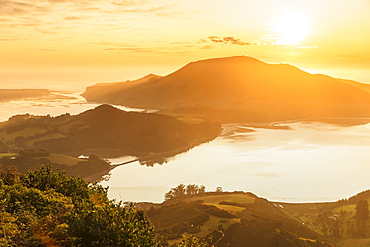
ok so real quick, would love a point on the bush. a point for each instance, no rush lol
(46, 208)
(215, 211)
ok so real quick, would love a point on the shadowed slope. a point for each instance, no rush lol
(224, 222)
(106, 131)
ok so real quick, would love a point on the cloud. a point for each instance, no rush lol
(168, 50)
(139, 10)
(132, 49)
(86, 2)
(126, 3)
(48, 50)
(136, 6)
(14, 7)
(226, 40)
(72, 18)
(9, 39)
(58, 1)
(207, 47)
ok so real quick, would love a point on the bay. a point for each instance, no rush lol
(303, 161)
(310, 162)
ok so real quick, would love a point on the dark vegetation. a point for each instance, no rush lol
(226, 219)
(242, 219)
(182, 191)
(105, 131)
(345, 219)
(32, 160)
(46, 208)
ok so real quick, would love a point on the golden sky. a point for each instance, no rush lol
(76, 43)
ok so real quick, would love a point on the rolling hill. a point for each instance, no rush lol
(243, 219)
(231, 219)
(110, 92)
(105, 131)
(240, 89)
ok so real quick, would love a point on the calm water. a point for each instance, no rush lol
(310, 162)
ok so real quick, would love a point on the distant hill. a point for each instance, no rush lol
(105, 131)
(110, 92)
(14, 94)
(241, 89)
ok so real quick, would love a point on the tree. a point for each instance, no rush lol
(46, 208)
(201, 190)
(362, 215)
(182, 191)
(191, 189)
(362, 210)
(191, 241)
(219, 189)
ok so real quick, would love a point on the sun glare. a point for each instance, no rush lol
(291, 29)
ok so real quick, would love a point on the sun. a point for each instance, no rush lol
(291, 29)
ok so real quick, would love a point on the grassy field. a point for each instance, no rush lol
(230, 209)
(26, 132)
(63, 159)
(359, 242)
(191, 120)
(216, 199)
(67, 127)
(46, 137)
(7, 154)
(348, 208)
(233, 198)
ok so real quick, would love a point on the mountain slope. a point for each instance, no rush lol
(362, 86)
(106, 131)
(231, 219)
(245, 89)
(100, 91)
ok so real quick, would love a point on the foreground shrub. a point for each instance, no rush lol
(46, 208)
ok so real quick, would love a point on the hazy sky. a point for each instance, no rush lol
(76, 43)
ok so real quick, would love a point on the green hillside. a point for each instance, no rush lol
(91, 169)
(244, 219)
(343, 221)
(106, 131)
(230, 219)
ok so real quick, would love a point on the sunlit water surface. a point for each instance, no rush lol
(310, 162)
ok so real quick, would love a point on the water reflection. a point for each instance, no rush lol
(293, 160)
(152, 162)
(305, 161)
